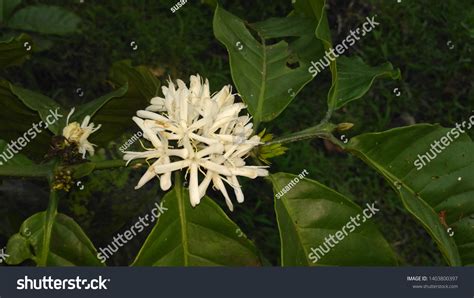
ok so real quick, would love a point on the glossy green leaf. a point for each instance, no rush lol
(92, 107)
(18, 159)
(20, 121)
(304, 46)
(30, 170)
(17, 165)
(316, 9)
(45, 19)
(116, 114)
(261, 71)
(50, 111)
(201, 236)
(351, 77)
(83, 170)
(19, 248)
(6, 8)
(14, 51)
(309, 212)
(444, 185)
(354, 79)
(69, 245)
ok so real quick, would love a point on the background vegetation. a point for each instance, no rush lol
(436, 86)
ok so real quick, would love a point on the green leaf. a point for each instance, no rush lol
(48, 223)
(316, 9)
(304, 47)
(203, 236)
(92, 107)
(45, 19)
(351, 77)
(309, 212)
(443, 185)
(16, 160)
(17, 165)
(69, 245)
(19, 248)
(6, 8)
(116, 114)
(45, 106)
(261, 71)
(14, 51)
(83, 170)
(354, 79)
(19, 121)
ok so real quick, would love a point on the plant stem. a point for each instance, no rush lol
(322, 130)
(327, 117)
(182, 215)
(25, 171)
(115, 163)
(49, 218)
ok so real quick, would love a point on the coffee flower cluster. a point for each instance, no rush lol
(190, 129)
(79, 134)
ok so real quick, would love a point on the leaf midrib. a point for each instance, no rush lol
(389, 176)
(261, 96)
(182, 219)
(294, 226)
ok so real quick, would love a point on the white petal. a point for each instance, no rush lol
(148, 133)
(222, 95)
(193, 185)
(69, 115)
(203, 139)
(249, 172)
(149, 174)
(220, 186)
(231, 111)
(157, 100)
(205, 90)
(170, 167)
(152, 116)
(198, 124)
(220, 169)
(220, 123)
(205, 184)
(86, 120)
(155, 108)
(237, 189)
(212, 149)
(195, 85)
(130, 155)
(165, 179)
(183, 153)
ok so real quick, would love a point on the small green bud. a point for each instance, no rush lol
(344, 126)
(266, 152)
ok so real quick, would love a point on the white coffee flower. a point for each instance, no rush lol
(78, 133)
(190, 129)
